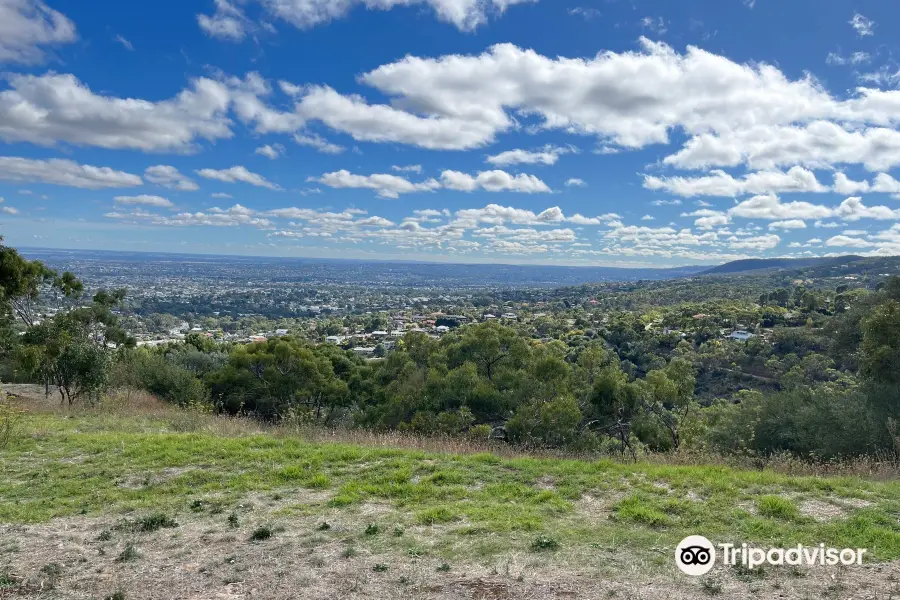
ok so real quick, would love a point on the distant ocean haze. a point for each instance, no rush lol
(89, 263)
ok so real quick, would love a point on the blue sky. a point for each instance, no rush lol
(596, 132)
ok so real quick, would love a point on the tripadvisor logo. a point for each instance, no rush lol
(695, 555)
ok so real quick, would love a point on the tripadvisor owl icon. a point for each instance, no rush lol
(695, 555)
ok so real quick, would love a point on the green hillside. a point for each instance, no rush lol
(226, 504)
(760, 264)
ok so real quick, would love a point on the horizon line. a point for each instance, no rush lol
(376, 260)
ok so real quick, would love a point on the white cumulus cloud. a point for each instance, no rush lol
(238, 174)
(720, 183)
(493, 181)
(168, 176)
(548, 155)
(145, 200)
(270, 151)
(27, 27)
(64, 172)
(384, 184)
(52, 108)
(230, 23)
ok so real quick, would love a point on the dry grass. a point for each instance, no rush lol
(141, 407)
(878, 467)
(9, 423)
(76, 559)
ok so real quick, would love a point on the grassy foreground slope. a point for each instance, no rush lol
(167, 504)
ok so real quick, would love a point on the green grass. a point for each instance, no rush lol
(636, 509)
(436, 515)
(6, 580)
(137, 470)
(777, 507)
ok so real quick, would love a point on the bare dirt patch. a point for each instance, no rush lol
(749, 507)
(854, 502)
(694, 496)
(820, 510)
(206, 559)
(545, 483)
(375, 509)
(662, 485)
(597, 508)
(136, 482)
(28, 391)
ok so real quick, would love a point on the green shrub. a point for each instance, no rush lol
(544, 543)
(147, 524)
(156, 522)
(821, 422)
(161, 377)
(450, 422)
(480, 432)
(553, 423)
(262, 533)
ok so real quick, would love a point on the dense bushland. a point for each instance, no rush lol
(819, 380)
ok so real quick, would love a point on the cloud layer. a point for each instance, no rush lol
(229, 21)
